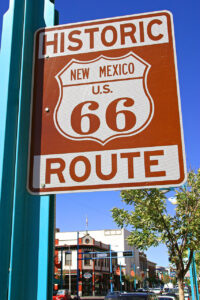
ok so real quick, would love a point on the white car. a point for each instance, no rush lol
(187, 295)
(157, 291)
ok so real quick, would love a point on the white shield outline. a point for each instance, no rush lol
(148, 96)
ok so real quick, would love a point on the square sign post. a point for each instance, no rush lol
(106, 107)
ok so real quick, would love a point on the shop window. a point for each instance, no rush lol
(87, 262)
(68, 259)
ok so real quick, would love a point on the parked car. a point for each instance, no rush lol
(171, 294)
(167, 297)
(156, 290)
(114, 293)
(142, 290)
(168, 290)
(131, 296)
(175, 291)
(62, 295)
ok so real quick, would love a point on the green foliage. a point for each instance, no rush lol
(151, 224)
(154, 281)
(174, 281)
(129, 278)
(197, 261)
(165, 278)
(149, 209)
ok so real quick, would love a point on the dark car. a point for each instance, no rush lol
(171, 294)
(131, 296)
(165, 297)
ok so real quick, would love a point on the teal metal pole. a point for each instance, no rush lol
(61, 270)
(193, 279)
(77, 277)
(10, 66)
(134, 277)
(111, 277)
(26, 221)
(120, 277)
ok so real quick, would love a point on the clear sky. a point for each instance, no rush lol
(72, 209)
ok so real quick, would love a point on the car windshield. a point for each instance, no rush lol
(165, 298)
(61, 292)
(134, 297)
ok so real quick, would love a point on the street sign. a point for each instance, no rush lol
(102, 255)
(87, 275)
(128, 253)
(106, 108)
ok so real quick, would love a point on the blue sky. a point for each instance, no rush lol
(72, 209)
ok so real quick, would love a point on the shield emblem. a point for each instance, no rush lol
(104, 98)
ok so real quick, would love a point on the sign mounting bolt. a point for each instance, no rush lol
(43, 185)
(47, 109)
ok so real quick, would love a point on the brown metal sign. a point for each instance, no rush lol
(106, 108)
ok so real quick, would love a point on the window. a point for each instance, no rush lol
(87, 262)
(107, 263)
(68, 259)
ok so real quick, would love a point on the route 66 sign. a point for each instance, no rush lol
(106, 108)
(104, 113)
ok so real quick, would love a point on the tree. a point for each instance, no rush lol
(154, 281)
(151, 224)
(197, 261)
(165, 278)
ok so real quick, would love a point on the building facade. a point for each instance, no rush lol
(151, 267)
(88, 258)
(95, 273)
(116, 238)
(161, 271)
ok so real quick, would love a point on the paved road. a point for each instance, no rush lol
(89, 297)
(92, 298)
